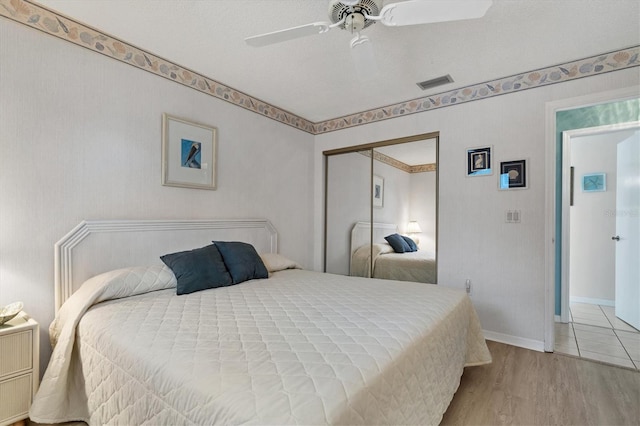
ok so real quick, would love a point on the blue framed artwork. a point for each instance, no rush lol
(188, 153)
(513, 174)
(594, 182)
(479, 161)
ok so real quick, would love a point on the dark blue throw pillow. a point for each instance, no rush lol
(398, 243)
(242, 261)
(198, 269)
(412, 244)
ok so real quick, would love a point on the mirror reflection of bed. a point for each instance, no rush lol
(391, 184)
(381, 260)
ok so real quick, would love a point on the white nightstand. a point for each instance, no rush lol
(19, 368)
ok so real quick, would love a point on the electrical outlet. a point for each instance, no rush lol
(467, 286)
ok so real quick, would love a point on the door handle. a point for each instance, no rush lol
(616, 238)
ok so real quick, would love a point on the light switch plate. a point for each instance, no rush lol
(513, 216)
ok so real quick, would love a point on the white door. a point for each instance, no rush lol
(627, 238)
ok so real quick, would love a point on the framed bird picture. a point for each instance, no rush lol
(479, 161)
(188, 153)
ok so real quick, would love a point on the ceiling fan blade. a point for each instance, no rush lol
(288, 34)
(414, 12)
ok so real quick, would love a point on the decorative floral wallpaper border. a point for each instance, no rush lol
(600, 64)
(424, 168)
(40, 18)
(420, 168)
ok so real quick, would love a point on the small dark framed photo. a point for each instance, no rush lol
(479, 161)
(513, 174)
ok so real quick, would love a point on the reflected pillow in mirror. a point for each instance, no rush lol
(412, 244)
(398, 243)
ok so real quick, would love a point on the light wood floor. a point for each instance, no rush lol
(523, 387)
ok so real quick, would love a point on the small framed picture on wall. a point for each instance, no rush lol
(513, 174)
(378, 191)
(188, 153)
(479, 161)
(594, 182)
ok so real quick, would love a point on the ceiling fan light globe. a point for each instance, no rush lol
(354, 22)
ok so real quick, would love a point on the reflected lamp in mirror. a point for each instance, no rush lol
(413, 228)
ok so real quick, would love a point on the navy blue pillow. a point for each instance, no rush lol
(412, 244)
(242, 261)
(198, 269)
(398, 243)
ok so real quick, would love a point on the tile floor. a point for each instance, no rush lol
(595, 333)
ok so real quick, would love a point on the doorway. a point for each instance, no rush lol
(600, 295)
(614, 106)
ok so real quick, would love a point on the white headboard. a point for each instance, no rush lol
(97, 246)
(361, 233)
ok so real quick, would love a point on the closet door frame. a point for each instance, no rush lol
(372, 146)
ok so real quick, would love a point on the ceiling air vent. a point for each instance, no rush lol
(434, 82)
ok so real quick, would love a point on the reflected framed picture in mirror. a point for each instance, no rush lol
(378, 191)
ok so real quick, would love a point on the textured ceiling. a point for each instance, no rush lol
(316, 77)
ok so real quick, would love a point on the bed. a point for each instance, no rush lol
(298, 347)
(379, 260)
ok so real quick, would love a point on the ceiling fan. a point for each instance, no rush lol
(356, 15)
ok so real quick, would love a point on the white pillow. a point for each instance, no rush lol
(275, 262)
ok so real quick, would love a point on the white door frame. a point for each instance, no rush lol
(550, 192)
(567, 137)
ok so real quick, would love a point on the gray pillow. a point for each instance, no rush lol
(242, 261)
(198, 269)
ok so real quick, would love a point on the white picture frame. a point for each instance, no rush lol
(594, 182)
(480, 161)
(189, 152)
(378, 191)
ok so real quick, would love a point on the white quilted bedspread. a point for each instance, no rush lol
(418, 266)
(298, 348)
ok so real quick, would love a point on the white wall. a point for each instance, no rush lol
(80, 137)
(592, 254)
(504, 261)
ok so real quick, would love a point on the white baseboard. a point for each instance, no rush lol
(592, 301)
(557, 318)
(534, 345)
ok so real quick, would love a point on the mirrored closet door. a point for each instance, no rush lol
(347, 201)
(375, 191)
